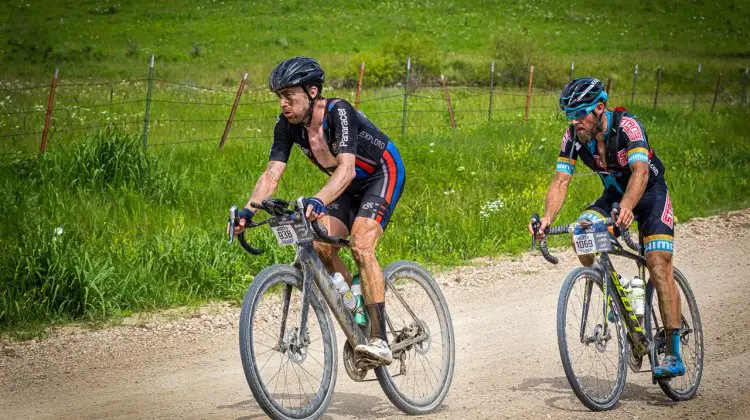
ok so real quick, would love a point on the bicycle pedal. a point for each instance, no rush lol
(366, 364)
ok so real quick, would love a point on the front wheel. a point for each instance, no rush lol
(683, 387)
(290, 373)
(420, 329)
(594, 359)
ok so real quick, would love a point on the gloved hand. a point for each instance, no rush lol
(245, 217)
(314, 208)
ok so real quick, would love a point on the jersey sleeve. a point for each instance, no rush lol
(566, 161)
(637, 142)
(282, 141)
(345, 123)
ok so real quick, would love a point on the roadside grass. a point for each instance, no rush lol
(99, 227)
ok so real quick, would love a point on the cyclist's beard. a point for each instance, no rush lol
(591, 132)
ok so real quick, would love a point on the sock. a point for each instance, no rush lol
(672, 336)
(376, 312)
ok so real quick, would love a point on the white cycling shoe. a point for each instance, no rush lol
(376, 350)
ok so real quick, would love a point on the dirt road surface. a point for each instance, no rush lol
(507, 361)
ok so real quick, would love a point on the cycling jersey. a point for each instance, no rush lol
(379, 170)
(627, 142)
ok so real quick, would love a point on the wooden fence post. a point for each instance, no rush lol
(48, 117)
(528, 95)
(448, 98)
(744, 89)
(359, 84)
(609, 83)
(243, 82)
(716, 92)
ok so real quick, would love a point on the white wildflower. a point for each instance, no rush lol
(491, 207)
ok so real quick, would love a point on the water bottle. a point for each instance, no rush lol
(346, 293)
(639, 296)
(360, 316)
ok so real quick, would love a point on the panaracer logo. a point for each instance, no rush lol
(344, 127)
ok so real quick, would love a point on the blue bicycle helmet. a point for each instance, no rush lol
(580, 97)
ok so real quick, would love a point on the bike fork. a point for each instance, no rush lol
(585, 310)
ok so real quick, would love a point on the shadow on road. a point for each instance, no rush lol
(651, 395)
(343, 403)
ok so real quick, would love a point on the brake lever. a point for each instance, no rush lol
(535, 223)
(232, 222)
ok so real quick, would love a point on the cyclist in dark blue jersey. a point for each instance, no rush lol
(615, 146)
(366, 180)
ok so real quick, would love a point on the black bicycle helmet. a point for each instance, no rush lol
(297, 71)
(580, 96)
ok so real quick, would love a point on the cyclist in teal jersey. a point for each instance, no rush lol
(615, 146)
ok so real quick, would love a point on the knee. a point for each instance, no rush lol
(325, 251)
(659, 263)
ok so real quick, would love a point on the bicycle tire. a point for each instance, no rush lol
(272, 276)
(408, 270)
(612, 398)
(669, 387)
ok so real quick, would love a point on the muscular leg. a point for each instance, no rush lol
(365, 236)
(329, 253)
(660, 267)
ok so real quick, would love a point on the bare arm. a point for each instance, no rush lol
(556, 193)
(340, 179)
(267, 183)
(633, 193)
(636, 185)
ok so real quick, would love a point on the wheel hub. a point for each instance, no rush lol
(295, 349)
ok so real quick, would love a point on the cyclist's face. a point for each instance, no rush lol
(588, 126)
(294, 104)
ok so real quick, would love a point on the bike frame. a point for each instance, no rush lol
(610, 280)
(315, 279)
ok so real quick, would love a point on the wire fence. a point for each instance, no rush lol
(168, 113)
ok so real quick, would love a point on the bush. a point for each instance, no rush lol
(380, 69)
(514, 57)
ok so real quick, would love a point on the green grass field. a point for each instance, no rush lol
(99, 228)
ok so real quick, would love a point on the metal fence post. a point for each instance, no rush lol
(359, 84)
(716, 92)
(528, 95)
(406, 97)
(243, 82)
(448, 99)
(572, 69)
(48, 117)
(695, 86)
(658, 82)
(635, 78)
(148, 103)
(492, 87)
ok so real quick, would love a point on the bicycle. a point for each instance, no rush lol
(637, 337)
(287, 340)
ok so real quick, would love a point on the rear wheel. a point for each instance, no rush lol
(691, 340)
(417, 315)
